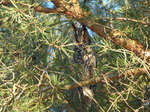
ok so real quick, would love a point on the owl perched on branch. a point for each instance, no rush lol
(83, 54)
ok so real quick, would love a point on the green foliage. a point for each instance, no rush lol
(36, 59)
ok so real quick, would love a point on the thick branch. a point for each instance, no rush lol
(73, 10)
(45, 10)
(5, 2)
(108, 76)
(36, 8)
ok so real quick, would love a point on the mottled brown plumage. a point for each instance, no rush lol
(83, 54)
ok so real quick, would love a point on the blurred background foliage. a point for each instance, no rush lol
(36, 58)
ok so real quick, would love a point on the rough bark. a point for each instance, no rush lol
(73, 10)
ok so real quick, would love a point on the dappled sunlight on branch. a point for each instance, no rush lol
(74, 55)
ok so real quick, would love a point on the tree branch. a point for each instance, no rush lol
(5, 2)
(45, 10)
(108, 77)
(73, 10)
(125, 19)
